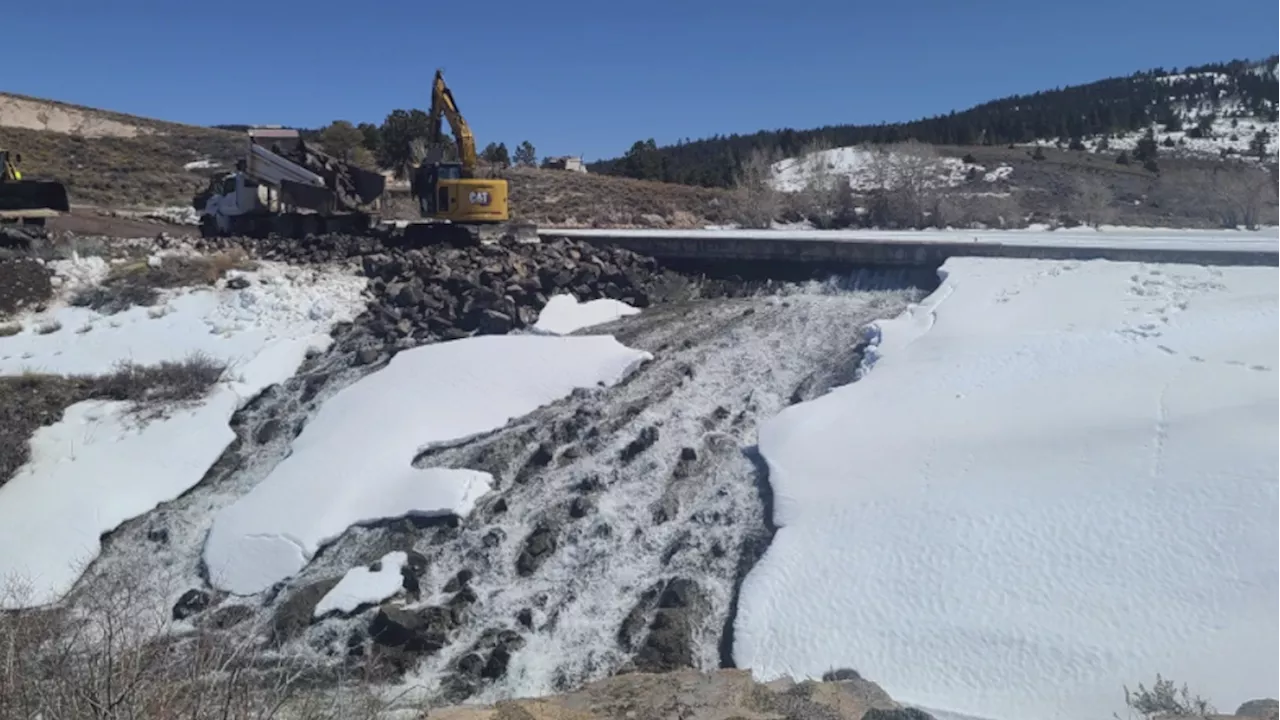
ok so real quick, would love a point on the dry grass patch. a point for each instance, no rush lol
(140, 283)
(34, 400)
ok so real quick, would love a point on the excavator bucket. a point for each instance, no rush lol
(27, 198)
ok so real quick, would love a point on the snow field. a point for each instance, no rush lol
(99, 466)
(1054, 479)
(353, 463)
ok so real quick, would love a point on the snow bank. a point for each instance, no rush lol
(283, 312)
(364, 586)
(563, 314)
(97, 467)
(1056, 479)
(352, 463)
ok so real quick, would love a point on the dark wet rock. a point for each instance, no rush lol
(423, 632)
(643, 441)
(294, 614)
(494, 538)
(540, 544)
(238, 282)
(415, 563)
(267, 431)
(688, 454)
(580, 507)
(458, 581)
(542, 456)
(471, 664)
(356, 643)
(230, 616)
(525, 618)
(192, 601)
(497, 507)
(674, 608)
(665, 509)
(160, 536)
(463, 598)
(840, 675)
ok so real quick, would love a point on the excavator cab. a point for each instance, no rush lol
(445, 193)
(433, 196)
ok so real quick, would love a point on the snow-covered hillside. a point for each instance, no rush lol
(1052, 475)
(1226, 134)
(867, 168)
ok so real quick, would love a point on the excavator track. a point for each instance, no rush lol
(424, 234)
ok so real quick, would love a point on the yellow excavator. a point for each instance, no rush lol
(456, 205)
(27, 202)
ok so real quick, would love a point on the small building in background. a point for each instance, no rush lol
(565, 162)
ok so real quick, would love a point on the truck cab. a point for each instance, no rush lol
(234, 194)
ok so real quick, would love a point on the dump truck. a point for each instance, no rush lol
(288, 187)
(24, 201)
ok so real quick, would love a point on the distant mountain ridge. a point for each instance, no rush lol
(1239, 88)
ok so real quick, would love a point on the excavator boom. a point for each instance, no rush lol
(443, 104)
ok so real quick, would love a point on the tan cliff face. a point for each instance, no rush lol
(33, 114)
(690, 695)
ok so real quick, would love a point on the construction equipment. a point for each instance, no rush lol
(290, 189)
(456, 205)
(28, 202)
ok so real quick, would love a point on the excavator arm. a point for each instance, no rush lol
(443, 104)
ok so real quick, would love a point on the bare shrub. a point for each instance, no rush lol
(1164, 699)
(905, 182)
(827, 199)
(1091, 200)
(168, 383)
(757, 202)
(115, 655)
(1233, 193)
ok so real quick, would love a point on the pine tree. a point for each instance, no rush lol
(1146, 148)
(525, 155)
(1258, 145)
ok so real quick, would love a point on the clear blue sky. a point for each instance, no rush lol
(591, 77)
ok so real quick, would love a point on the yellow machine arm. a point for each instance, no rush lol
(442, 103)
(8, 167)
